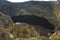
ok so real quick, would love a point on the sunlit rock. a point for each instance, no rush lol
(24, 31)
(55, 36)
(34, 38)
(5, 34)
(6, 21)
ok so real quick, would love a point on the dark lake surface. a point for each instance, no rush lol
(34, 20)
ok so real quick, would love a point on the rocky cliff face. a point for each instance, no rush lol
(10, 30)
(42, 9)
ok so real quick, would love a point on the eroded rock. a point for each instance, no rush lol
(5, 34)
(6, 22)
(55, 36)
(24, 31)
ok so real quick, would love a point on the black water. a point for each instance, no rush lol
(34, 20)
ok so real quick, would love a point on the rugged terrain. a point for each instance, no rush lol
(11, 31)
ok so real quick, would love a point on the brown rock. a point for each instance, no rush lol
(26, 31)
(57, 16)
(6, 22)
(5, 34)
(55, 36)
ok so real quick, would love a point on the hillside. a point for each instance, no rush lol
(30, 7)
(37, 8)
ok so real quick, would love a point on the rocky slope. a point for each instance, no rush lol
(42, 9)
(17, 31)
(26, 8)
